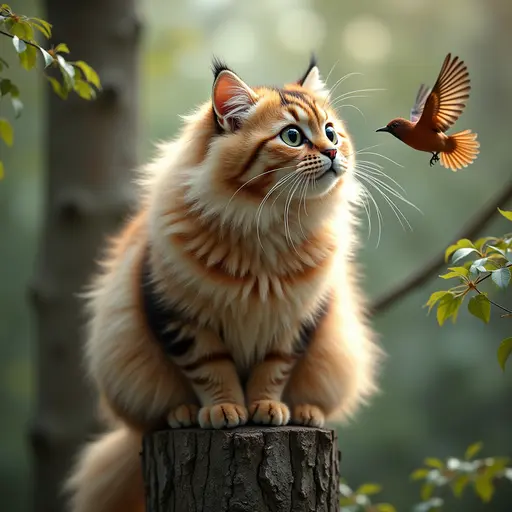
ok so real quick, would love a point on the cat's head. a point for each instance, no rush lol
(272, 148)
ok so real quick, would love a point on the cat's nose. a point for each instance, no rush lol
(331, 153)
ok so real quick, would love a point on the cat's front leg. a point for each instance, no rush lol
(210, 369)
(265, 387)
(337, 373)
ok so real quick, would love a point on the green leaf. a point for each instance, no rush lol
(496, 249)
(459, 254)
(6, 131)
(434, 463)
(68, 72)
(420, 474)
(43, 26)
(501, 277)
(369, 489)
(28, 58)
(484, 488)
(48, 59)
(84, 90)
(435, 297)
(506, 214)
(448, 307)
(1, 170)
(472, 450)
(62, 48)
(5, 86)
(481, 241)
(385, 507)
(456, 272)
(463, 243)
(426, 491)
(19, 45)
(480, 307)
(57, 88)
(22, 29)
(504, 351)
(89, 73)
(459, 484)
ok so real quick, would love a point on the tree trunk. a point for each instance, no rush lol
(91, 152)
(284, 469)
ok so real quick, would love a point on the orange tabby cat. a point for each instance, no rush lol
(231, 295)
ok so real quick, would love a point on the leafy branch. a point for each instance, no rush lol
(457, 474)
(77, 76)
(427, 271)
(452, 474)
(492, 258)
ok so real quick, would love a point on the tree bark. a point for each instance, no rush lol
(91, 152)
(277, 469)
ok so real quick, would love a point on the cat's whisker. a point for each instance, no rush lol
(356, 91)
(255, 178)
(337, 84)
(294, 186)
(375, 204)
(277, 185)
(302, 195)
(330, 71)
(381, 156)
(379, 188)
(338, 103)
(363, 164)
(348, 105)
(394, 192)
(366, 206)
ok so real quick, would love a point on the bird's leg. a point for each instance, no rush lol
(434, 159)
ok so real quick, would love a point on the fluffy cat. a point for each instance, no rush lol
(231, 295)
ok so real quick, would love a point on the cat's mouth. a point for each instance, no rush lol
(330, 171)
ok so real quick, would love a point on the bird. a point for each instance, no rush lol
(434, 112)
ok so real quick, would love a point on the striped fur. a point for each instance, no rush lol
(266, 322)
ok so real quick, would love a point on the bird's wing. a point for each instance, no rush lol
(419, 103)
(445, 103)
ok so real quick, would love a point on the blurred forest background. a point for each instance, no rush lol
(442, 387)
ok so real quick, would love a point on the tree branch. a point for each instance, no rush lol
(24, 40)
(422, 275)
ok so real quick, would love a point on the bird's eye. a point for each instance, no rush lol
(331, 134)
(292, 136)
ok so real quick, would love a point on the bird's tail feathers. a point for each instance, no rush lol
(463, 150)
(108, 475)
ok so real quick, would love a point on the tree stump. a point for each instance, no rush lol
(247, 469)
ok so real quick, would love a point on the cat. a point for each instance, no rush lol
(231, 295)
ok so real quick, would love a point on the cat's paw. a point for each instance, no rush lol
(183, 416)
(308, 415)
(269, 412)
(222, 416)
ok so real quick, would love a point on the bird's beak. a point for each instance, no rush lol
(384, 129)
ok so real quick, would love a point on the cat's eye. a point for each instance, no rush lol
(292, 136)
(331, 134)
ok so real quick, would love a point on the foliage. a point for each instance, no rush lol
(76, 76)
(457, 474)
(452, 474)
(489, 257)
(360, 501)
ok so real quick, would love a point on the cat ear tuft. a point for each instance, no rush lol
(232, 98)
(312, 80)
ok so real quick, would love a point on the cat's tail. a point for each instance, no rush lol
(108, 475)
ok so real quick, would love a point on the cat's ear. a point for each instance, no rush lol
(312, 80)
(232, 98)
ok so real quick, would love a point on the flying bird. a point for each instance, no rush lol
(435, 111)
